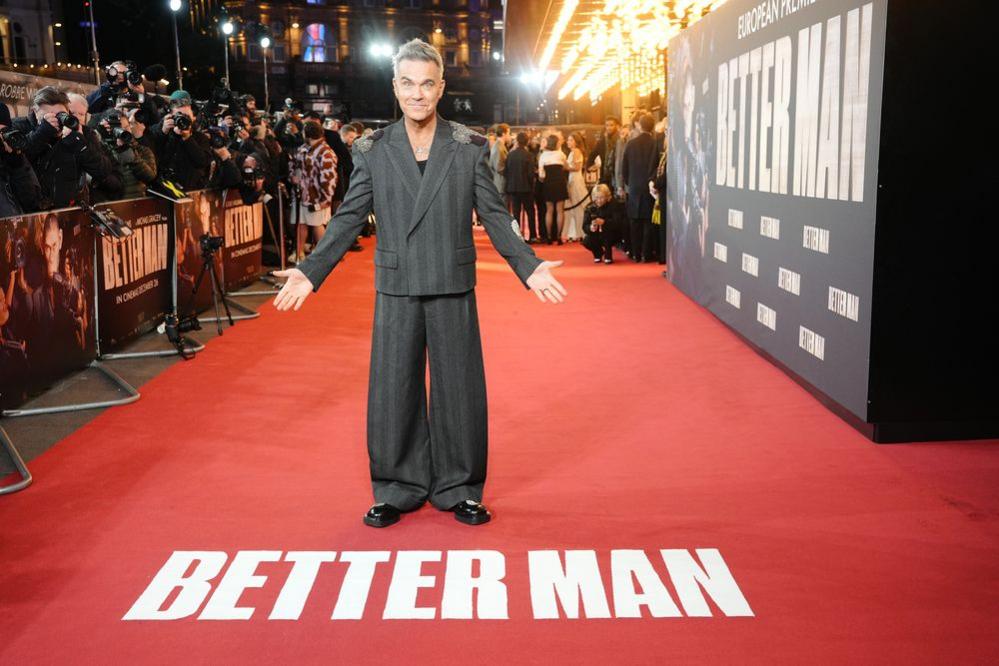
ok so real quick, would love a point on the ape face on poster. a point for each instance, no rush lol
(134, 289)
(774, 124)
(46, 301)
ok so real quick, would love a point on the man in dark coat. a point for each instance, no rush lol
(423, 176)
(60, 154)
(638, 169)
(519, 177)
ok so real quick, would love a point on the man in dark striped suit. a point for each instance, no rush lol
(422, 177)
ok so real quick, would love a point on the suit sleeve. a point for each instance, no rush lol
(344, 227)
(503, 230)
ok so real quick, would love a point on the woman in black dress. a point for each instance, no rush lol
(552, 172)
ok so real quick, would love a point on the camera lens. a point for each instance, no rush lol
(67, 119)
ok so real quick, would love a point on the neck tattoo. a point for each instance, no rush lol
(421, 150)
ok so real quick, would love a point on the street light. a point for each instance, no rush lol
(175, 7)
(265, 43)
(227, 28)
(93, 42)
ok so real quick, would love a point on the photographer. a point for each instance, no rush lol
(223, 172)
(183, 154)
(251, 185)
(122, 77)
(19, 189)
(105, 177)
(136, 163)
(57, 150)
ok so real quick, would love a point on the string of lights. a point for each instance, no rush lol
(618, 42)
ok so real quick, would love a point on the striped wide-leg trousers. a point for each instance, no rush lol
(416, 455)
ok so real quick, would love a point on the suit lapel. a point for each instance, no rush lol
(401, 157)
(438, 165)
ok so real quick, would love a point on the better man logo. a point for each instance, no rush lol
(563, 585)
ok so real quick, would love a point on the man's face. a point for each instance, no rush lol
(49, 108)
(610, 127)
(78, 108)
(348, 137)
(600, 198)
(52, 245)
(418, 87)
(186, 110)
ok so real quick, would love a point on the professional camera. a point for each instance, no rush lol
(114, 132)
(67, 119)
(210, 244)
(251, 175)
(132, 75)
(235, 128)
(182, 121)
(217, 137)
(223, 102)
(15, 139)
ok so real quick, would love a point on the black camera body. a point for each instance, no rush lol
(210, 244)
(217, 137)
(114, 132)
(182, 121)
(67, 119)
(14, 138)
(132, 76)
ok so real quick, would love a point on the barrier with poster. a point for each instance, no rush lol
(47, 318)
(134, 287)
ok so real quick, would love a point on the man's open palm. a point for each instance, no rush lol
(295, 290)
(544, 284)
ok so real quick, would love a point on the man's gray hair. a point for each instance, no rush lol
(599, 189)
(417, 49)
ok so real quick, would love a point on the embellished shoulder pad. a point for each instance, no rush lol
(364, 144)
(462, 134)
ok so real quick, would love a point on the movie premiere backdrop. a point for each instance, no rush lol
(775, 111)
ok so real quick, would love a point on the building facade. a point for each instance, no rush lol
(334, 56)
(31, 33)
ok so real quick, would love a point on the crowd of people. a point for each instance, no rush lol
(119, 142)
(562, 191)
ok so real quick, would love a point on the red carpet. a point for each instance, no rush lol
(626, 418)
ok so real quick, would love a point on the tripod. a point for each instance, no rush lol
(208, 266)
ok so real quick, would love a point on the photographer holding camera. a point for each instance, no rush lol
(57, 150)
(19, 189)
(122, 77)
(136, 163)
(223, 172)
(183, 154)
(104, 182)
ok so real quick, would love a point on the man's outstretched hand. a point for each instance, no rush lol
(295, 290)
(543, 283)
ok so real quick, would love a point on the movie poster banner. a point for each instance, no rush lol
(46, 301)
(17, 89)
(197, 217)
(242, 253)
(775, 111)
(134, 273)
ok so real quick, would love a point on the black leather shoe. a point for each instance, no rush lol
(471, 513)
(382, 515)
